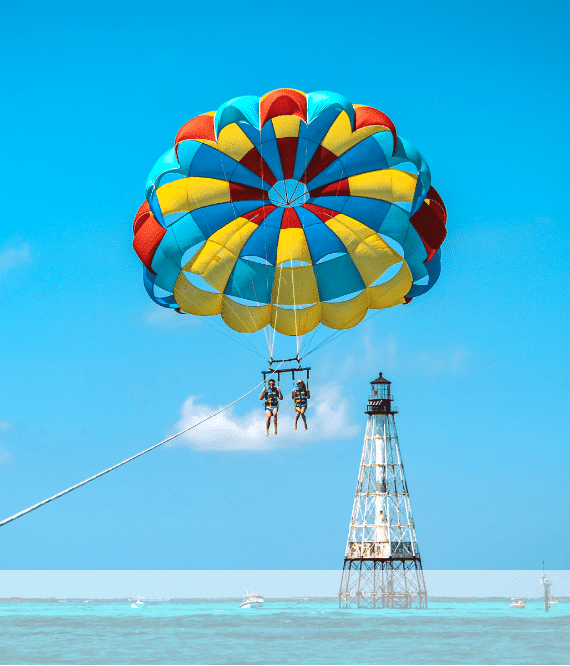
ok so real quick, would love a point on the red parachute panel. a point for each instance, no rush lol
(290, 220)
(282, 102)
(339, 189)
(148, 234)
(429, 222)
(367, 116)
(201, 127)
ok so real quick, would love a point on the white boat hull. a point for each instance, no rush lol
(252, 600)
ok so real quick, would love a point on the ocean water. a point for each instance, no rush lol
(285, 631)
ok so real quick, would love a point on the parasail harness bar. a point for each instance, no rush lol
(284, 360)
(280, 371)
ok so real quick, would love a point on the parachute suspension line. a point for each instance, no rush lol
(317, 328)
(276, 310)
(338, 268)
(258, 304)
(299, 196)
(267, 329)
(138, 455)
(330, 338)
(251, 348)
(307, 342)
(299, 347)
(270, 342)
(270, 339)
(296, 320)
(336, 334)
(236, 215)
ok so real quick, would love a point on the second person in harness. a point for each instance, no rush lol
(300, 396)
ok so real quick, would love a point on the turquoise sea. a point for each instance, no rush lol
(296, 631)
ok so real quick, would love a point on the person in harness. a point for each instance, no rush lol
(300, 396)
(271, 395)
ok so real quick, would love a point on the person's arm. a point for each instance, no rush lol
(262, 395)
(279, 394)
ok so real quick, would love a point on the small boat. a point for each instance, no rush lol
(134, 606)
(252, 599)
(519, 603)
(140, 601)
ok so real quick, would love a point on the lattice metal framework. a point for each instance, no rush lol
(546, 582)
(382, 564)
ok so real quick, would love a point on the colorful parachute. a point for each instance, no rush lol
(289, 210)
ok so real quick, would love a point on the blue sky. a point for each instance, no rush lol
(93, 372)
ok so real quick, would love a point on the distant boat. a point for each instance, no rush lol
(252, 600)
(519, 603)
(134, 606)
(140, 601)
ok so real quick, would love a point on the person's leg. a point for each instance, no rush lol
(275, 421)
(303, 410)
(298, 412)
(267, 421)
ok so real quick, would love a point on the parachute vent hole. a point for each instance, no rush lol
(408, 167)
(329, 257)
(404, 205)
(190, 253)
(171, 219)
(387, 275)
(256, 260)
(244, 301)
(199, 282)
(293, 263)
(169, 177)
(299, 306)
(393, 244)
(346, 297)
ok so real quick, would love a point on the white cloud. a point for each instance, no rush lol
(328, 417)
(373, 354)
(15, 256)
(386, 354)
(5, 425)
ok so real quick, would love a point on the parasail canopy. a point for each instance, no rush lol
(289, 210)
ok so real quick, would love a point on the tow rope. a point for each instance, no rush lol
(168, 439)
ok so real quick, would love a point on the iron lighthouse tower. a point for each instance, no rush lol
(382, 564)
